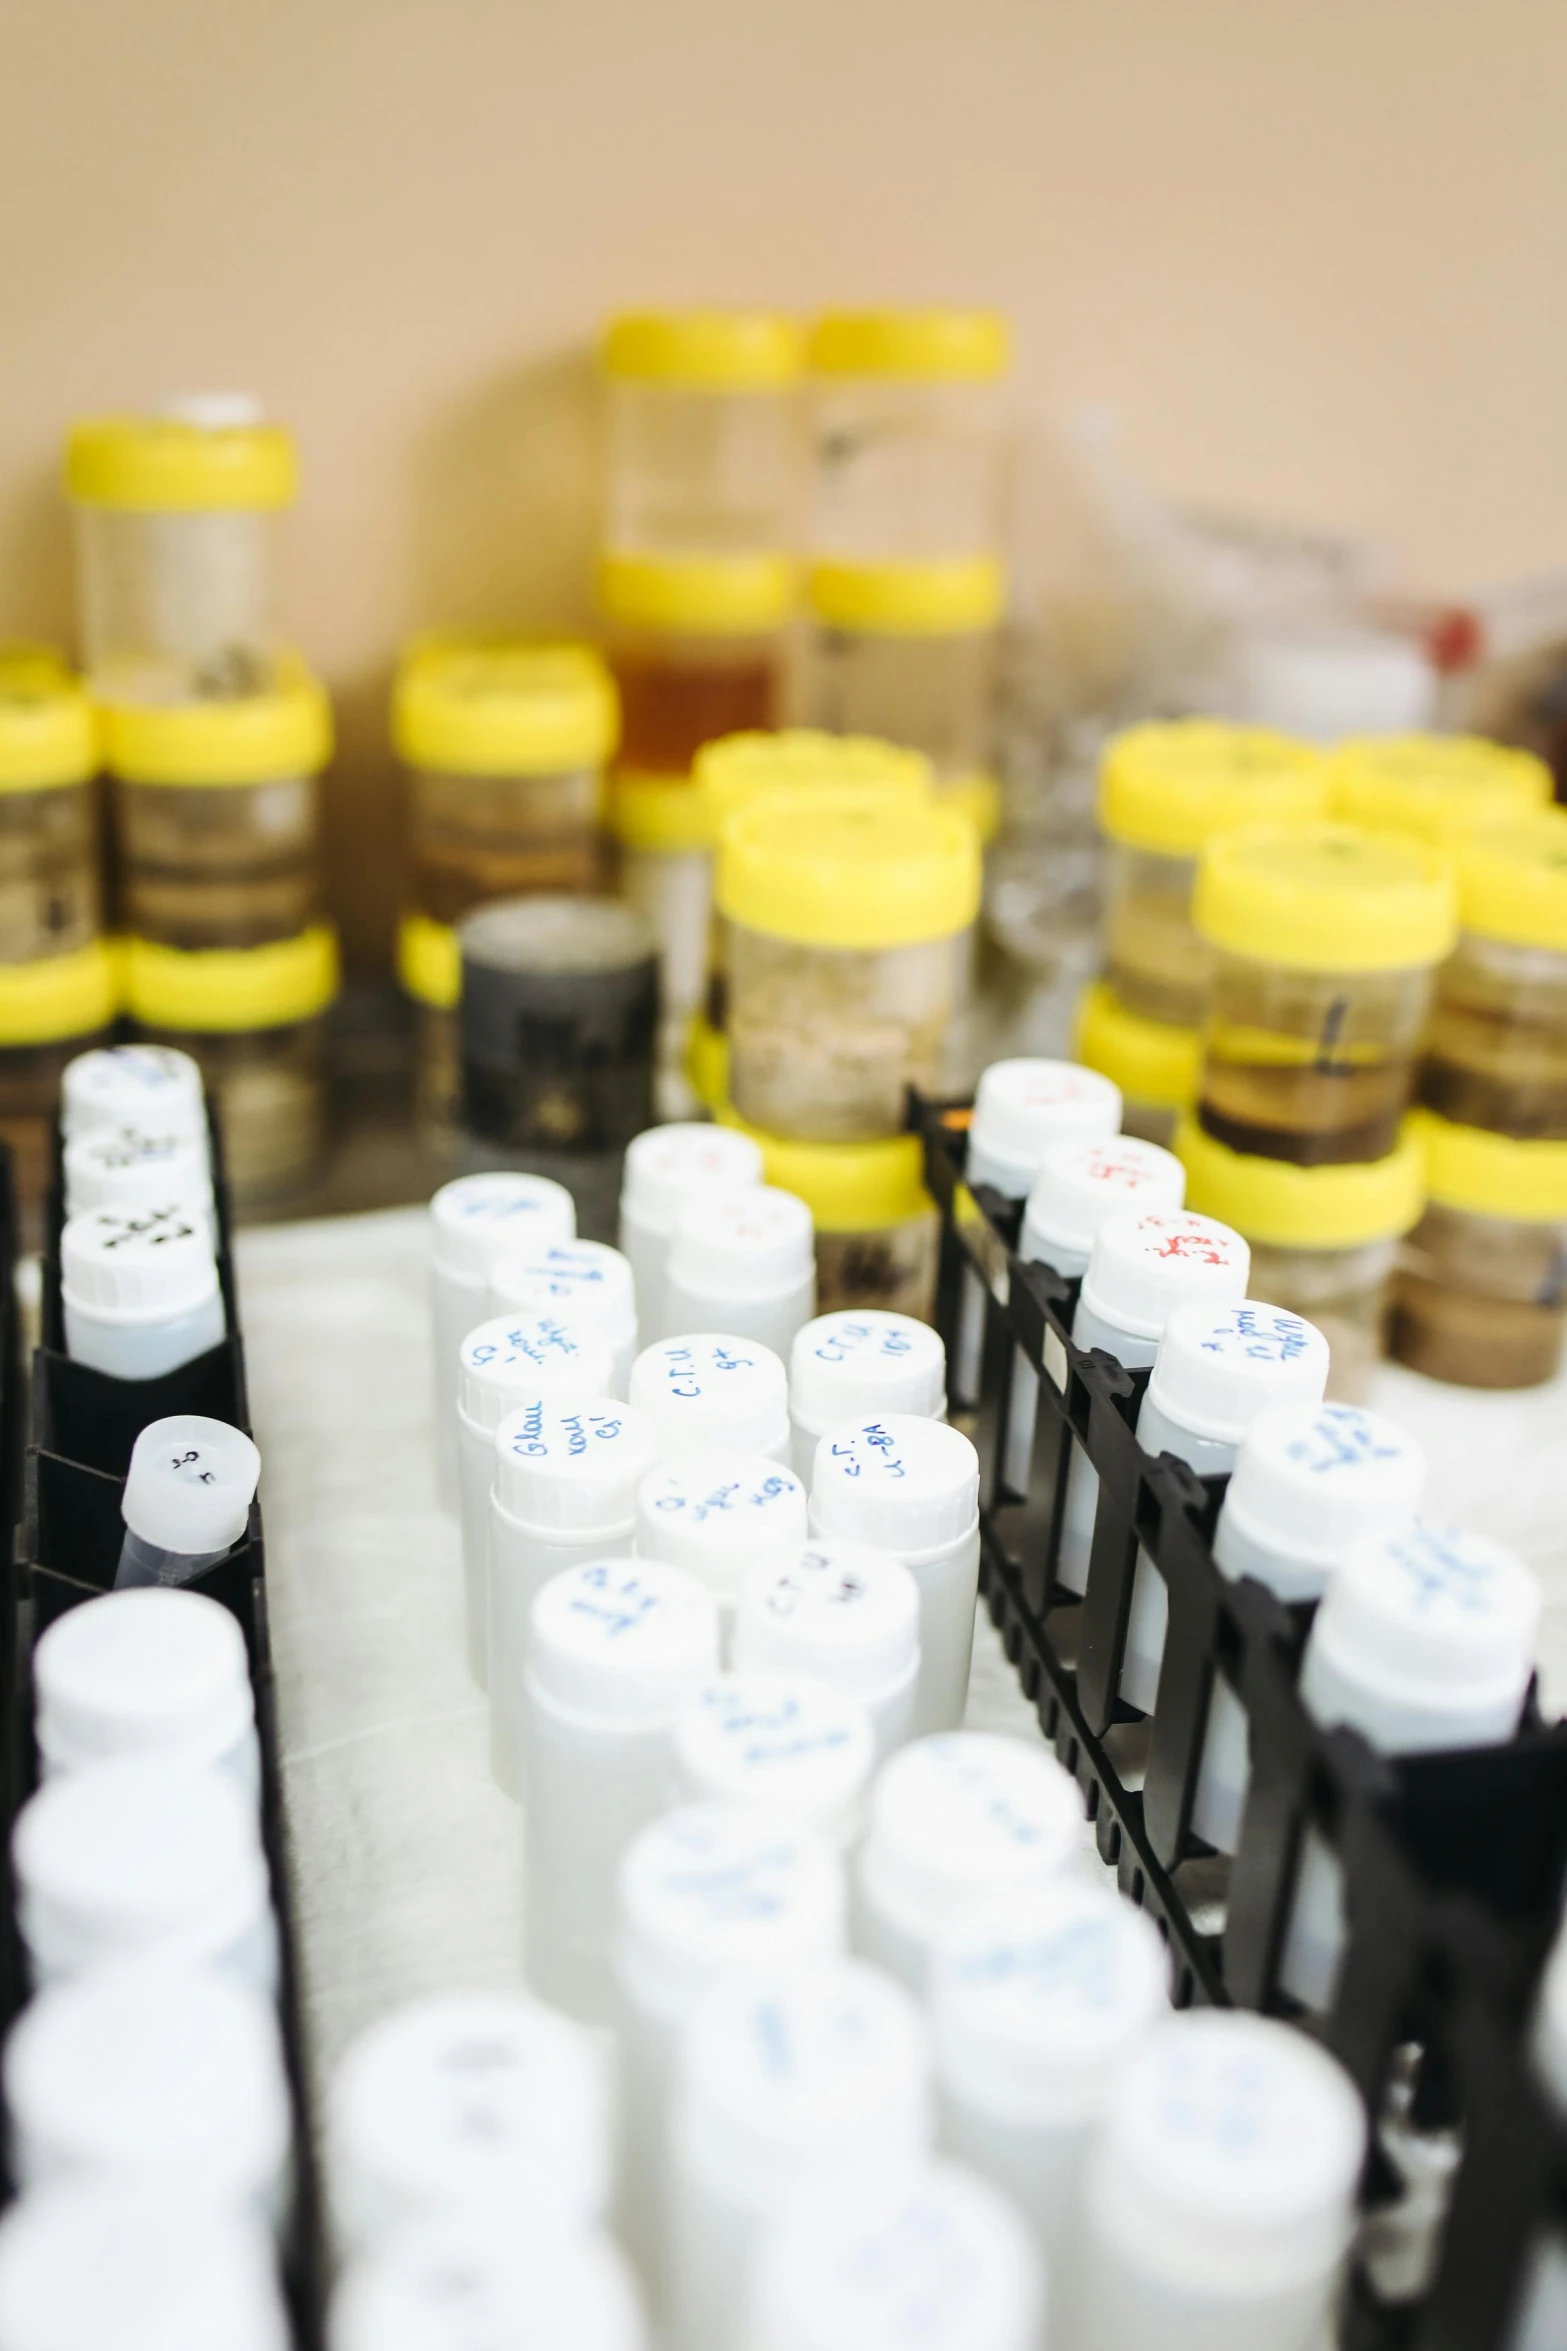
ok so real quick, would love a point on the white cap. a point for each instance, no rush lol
(667, 1166)
(150, 1088)
(214, 412)
(1022, 1107)
(934, 2260)
(467, 2102)
(791, 1745)
(1306, 1482)
(138, 1265)
(190, 1483)
(480, 1219)
(1143, 1265)
(1037, 1998)
(117, 1167)
(169, 2075)
(1219, 1366)
(506, 1362)
(849, 1365)
(963, 1814)
(709, 1392)
(585, 1280)
(1228, 2158)
(897, 1482)
(573, 1469)
(90, 2262)
(155, 1672)
(623, 1642)
(716, 1514)
(710, 1889)
(1550, 2023)
(473, 2282)
(745, 1243)
(1083, 1181)
(841, 1611)
(1324, 683)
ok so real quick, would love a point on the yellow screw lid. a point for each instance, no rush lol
(1286, 1207)
(505, 709)
(1150, 1060)
(230, 989)
(956, 346)
(706, 350)
(665, 814)
(848, 870)
(1512, 881)
(1435, 785)
(698, 595)
(848, 1187)
(59, 996)
(429, 961)
(48, 736)
(250, 739)
(707, 1064)
(737, 769)
(1491, 1175)
(978, 797)
(158, 462)
(949, 596)
(1326, 897)
(1171, 787)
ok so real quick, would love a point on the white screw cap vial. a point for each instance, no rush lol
(121, 1168)
(187, 1498)
(144, 1088)
(1083, 1181)
(160, 2076)
(910, 1486)
(476, 2103)
(786, 2082)
(933, 2261)
(744, 1262)
(719, 1514)
(586, 1281)
(952, 1820)
(844, 1614)
(460, 2284)
(140, 1291)
(1022, 1107)
(855, 1364)
(788, 1744)
(90, 2262)
(474, 1223)
(153, 1673)
(1220, 2196)
(712, 1392)
(667, 1169)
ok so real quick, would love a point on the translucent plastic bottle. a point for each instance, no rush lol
(187, 1498)
(744, 1263)
(669, 1169)
(475, 1222)
(793, 1746)
(719, 1516)
(462, 2280)
(710, 1392)
(140, 1293)
(878, 1235)
(1480, 1294)
(851, 1366)
(1435, 787)
(1496, 1052)
(160, 1673)
(87, 2262)
(586, 1281)
(843, 1615)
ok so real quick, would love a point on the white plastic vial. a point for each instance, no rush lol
(712, 1392)
(85, 2263)
(566, 1480)
(668, 1169)
(845, 1615)
(792, 1746)
(119, 1168)
(1424, 1640)
(585, 1281)
(1305, 1485)
(1220, 2197)
(745, 1262)
(459, 2285)
(485, 2105)
(139, 1089)
(911, 1487)
(157, 1673)
(140, 1292)
(855, 1364)
(187, 1498)
(619, 1650)
(954, 1821)
(718, 1515)
(475, 1222)
(792, 2080)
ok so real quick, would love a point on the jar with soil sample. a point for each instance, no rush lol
(1438, 787)
(1496, 1050)
(1326, 940)
(50, 901)
(878, 1236)
(1480, 1297)
(1152, 1062)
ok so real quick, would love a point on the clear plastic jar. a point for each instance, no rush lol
(50, 899)
(177, 531)
(1327, 938)
(1435, 786)
(703, 454)
(50, 1011)
(1481, 1292)
(844, 925)
(1153, 1063)
(908, 652)
(1496, 1049)
(666, 871)
(878, 1234)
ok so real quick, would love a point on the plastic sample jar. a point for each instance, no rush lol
(720, 1516)
(1327, 939)
(878, 1233)
(161, 1673)
(1437, 787)
(1496, 1049)
(743, 1263)
(50, 1012)
(792, 1746)
(667, 1170)
(586, 1281)
(139, 1294)
(842, 931)
(186, 1500)
(1152, 1062)
(50, 900)
(87, 2262)
(493, 2281)
(1327, 681)
(475, 1222)
(1480, 1294)
(133, 1089)
(711, 1392)
(848, 1366)
(844, 1615)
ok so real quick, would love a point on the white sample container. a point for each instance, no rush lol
(667, 1170)
(1220, 2197)
(585, 1281)
(1305, 1484)
(712, 1392)
(86, 2263)
(791, 2080)
(157, 1673)
(911, 1487)
(718, 1515)
(856, 1363)
(454, 2285)
(475, 1222)
(140, 1292)
(140, 1858)
(135, 1089)
(566, 1480)
(792, 1746)
(1036, 2002)
(187, 1498)
(485, 2105)
(1140, 1268)
(158, 2076)
(955, 1820)
(845, 1615)
(121, 1168)
(619, 1649)
(503, 1365)
(1424, 1640)
(1217, 1368)
(744, 1262)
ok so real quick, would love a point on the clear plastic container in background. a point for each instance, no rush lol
(1480, 1296)
(1152, 1062)
(1435, 787)
(666, 872)
(910, 651)
(1496, 1048)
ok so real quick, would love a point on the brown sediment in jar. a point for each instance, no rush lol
(1313, 1068)
(893, 1267)
(1496, 1052)
(1481, 1301)
(50, 901)
(677, 694)
(476, 838)
(230, 866)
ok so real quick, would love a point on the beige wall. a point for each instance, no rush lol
(1314, 250)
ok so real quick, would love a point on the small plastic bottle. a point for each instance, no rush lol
(187, 1499)
(475, 1222)
(140, 1292)
(477, 2105)
(711, 1392)
(619, 1650)
(719, 1515)
(464, 2282)
(911, 1487)
(566, 1480)
(89, 2262)
(786, 2081)
(155, 1673)
(792, 1746)
(130, 1173)
(844, 1615)
(668, 1170)
(586, 1281)
(1424, 1641)
(954, 1820)
(133, 1089)
(850, 1366)
(1220, 2195)
(743, 1264)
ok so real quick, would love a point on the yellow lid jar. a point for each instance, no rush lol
(1496, 1053)
(1481, 1292)
(1435, 786)
(878, 1235)
(50, 901)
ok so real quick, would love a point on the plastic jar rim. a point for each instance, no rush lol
(1169, 787)
(1277, 1204)
(232, 989)
(800, 866)
(1325, 897)
(504, 708)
